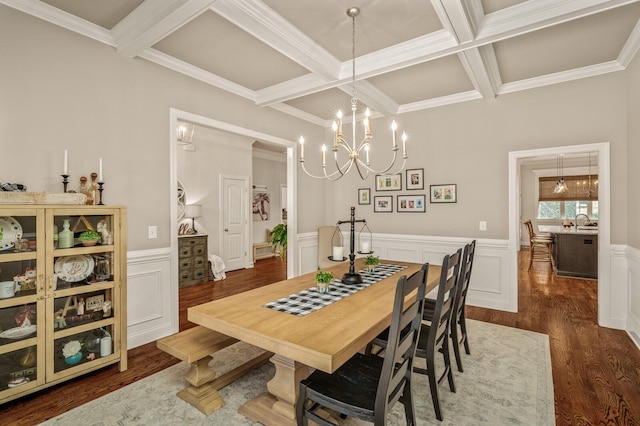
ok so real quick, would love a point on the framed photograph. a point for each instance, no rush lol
(444, 193)
(383, 204)
(364, 196)
(411, 203)
(415, 178)
(389, 182)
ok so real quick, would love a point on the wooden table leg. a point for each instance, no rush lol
(277, 407)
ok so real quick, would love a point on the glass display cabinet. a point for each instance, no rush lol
(62, 294)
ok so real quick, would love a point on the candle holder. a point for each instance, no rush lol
(65, 181)
(352, 277)
(100, 189)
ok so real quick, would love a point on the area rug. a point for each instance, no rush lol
(507, 381)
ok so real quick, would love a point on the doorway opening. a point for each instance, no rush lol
(604, 222)
(176, 115)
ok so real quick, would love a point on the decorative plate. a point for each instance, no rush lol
(10, 232)
(74, 268)
(18, 332)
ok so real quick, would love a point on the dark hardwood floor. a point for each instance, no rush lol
(596, 371)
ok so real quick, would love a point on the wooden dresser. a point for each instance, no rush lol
(193, 263)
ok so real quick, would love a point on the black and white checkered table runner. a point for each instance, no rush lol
(310, 300)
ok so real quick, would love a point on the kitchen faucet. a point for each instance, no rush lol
(582, 214)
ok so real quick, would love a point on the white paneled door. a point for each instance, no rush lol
(234, 222)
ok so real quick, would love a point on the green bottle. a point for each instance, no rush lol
(65, 237)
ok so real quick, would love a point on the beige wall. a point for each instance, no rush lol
(60, 90)
(468, 144)
(633, 158)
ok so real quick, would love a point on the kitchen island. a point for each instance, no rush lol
(575, 251)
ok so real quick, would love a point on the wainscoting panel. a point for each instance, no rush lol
(633, 301)
(489, 283)
(149, 301)
(307, 253)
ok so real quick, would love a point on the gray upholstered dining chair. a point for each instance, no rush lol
(368, 386)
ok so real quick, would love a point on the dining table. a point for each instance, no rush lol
(320, 338)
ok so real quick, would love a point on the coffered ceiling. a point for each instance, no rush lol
(295, 56)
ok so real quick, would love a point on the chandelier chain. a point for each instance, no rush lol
(353, 56)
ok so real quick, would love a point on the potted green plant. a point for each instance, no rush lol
(89, 238)
(278, 238)
(371, 262)
(323, 279)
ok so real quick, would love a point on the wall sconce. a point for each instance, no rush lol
(185, 132)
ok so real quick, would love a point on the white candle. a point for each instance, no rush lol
(324, 155)
(404, 143)
(334, 127)
(394, 126)
(100, 172)
(365, 246)
(65, 169)
(337, 253)
(301, 148)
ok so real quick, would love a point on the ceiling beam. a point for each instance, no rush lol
(262, 22)
(152, 21)
(519, 19)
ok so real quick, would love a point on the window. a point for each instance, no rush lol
(567, 209)
(566, 205)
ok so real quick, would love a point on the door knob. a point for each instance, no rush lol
(226, 229)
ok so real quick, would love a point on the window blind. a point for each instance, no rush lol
(576, 192)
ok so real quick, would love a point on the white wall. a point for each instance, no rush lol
(270, 170)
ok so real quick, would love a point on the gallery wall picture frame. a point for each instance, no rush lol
(364, 196)
(411, 203)
(389, 182)
(415, 178)
(444, 193)
(383, 204)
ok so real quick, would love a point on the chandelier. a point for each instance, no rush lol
(354, 150)
(588, 191)
(561, 186)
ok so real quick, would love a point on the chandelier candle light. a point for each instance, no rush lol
(354, 150)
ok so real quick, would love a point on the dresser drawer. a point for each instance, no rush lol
(184, 263)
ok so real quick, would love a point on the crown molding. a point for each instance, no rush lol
(182, 67)
(441, 101)
(560, 77)
(62, 19)
(295, 112)
(630, 47)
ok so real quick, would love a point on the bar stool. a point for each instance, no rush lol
(540, 244)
